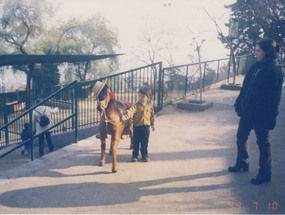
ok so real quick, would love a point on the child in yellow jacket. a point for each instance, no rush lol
(143, 118)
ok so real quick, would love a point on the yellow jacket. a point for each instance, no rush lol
(142, 114)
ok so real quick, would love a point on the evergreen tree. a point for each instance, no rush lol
(45, 75)
(257, 19)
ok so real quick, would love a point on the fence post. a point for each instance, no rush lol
(32, 140)
(218, 71)
(73, 107)
(75, 92)
(186, 82)
(5, 122)
(204, 76)
(162, 88)
(229, 69)
(132, 81)
(159, 87)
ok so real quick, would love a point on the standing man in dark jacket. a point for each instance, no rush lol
(257, 107)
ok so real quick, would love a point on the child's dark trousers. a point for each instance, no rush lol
(141, 135)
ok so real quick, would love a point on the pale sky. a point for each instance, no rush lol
(182, 18)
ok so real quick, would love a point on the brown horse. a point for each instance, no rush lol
(111, 122)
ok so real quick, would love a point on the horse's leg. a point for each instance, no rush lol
(131, 132)
(103, 143)
(110, 151)
(131, 143)
(103, 147)
(115, 141)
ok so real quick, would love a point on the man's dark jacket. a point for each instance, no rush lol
(260, 94)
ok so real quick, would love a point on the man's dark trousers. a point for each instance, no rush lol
(246, 124)
(41, 143)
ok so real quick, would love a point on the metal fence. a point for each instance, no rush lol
(17, 98)
(167, 84)
(124, 85)
(185, 79)
(65, 98)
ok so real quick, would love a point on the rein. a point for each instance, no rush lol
(108, 120)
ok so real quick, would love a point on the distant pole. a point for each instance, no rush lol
(200, 67)
(230, 60)
(233, 33)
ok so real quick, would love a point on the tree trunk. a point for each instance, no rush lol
(234, 67)
(200, 68)
(86, 70)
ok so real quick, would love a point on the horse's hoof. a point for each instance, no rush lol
(114, 171)
(101, 163)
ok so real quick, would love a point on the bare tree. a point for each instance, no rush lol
(229, 44)
(155, 45)
(198, 44)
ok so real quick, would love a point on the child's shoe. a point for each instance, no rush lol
(134, 159)
(145, 159)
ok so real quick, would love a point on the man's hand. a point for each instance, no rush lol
(153, 128)
(124, 118)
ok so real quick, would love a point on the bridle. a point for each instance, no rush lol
(103, 112)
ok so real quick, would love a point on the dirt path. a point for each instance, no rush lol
(190, 153)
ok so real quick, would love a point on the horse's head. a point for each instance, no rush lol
(102, 94)
(103, 98)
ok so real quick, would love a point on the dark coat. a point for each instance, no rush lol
(25, 135)
(260, 94)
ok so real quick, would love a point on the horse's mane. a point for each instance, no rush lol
(119, 106)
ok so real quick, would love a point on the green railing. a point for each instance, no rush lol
(124, 85)
(184, 79)
(66, 101)
(167, 84)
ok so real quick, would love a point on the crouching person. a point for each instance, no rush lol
(41, 126)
